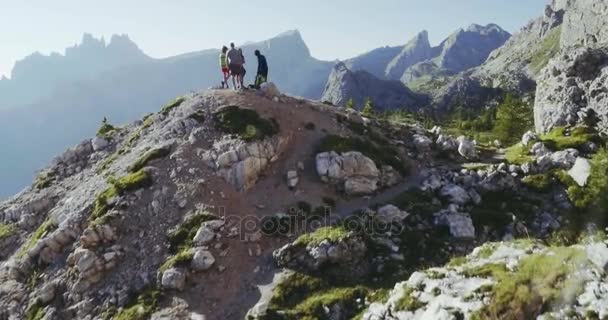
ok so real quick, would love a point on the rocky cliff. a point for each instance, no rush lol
(344, 84)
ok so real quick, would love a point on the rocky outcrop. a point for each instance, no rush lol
(345, 253)
(465, 290)
(415, 51)
(240, 163)
(573, 89)
(354, 173)
(344, 84)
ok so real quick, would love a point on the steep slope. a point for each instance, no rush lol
(344, 84)
(72, 110)
(375, 61)
(417, 50)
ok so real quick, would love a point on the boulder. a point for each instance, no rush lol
(447, 143)
(351, 171)
(292, 178)
(528, 138)
(174, 279)
(99, 143)
(391, 214)
(202, 260)
(389, 176)
(580, 171)
(269, 90)
(204, 236)
(564, 159)
(539, 149)
(422, 142)
(460, 224)
(466, 148)
(455, 194)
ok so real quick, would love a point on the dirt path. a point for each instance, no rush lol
(345, 209)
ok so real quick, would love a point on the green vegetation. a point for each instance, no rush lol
(316, 237)
(140, 309)
(457, 261)
(180, 238)
(149, 156)
(106, 129)
(549, 48)
(381, 155)
(493, 270)
(45, 228)
(432, 274)
(130, 182)
(35, 311)
(368, 108)
(518, 154)
(593, 197)
(487, 250)
(44, 180)
(304, 297)
(539, 182)
(172, 105)
(350, 104)
(245, 123)
(408, 302)
(513, 119)
(182, 258)
(6, 230)
(539, 281)
(559, 138)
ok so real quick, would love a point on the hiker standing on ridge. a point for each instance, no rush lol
(235, 64)
(262, 75)
(224, 66)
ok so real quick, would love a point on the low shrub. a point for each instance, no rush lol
(245, 123)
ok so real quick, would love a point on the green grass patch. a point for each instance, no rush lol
(408, 302)
(45, 228)
(7, 230)
(518, 154)
(181, 237)
(149, 156)
(244, 122)
(106, 129)
(559, 138)
(172, 105)
(457, 261)
(332, 234)
(35, 311)
(141, 308)
(130, 182)
(540, 280)
(539, 182)
(44, 180)
(549, 48)
(380, 154)
(180, 259)
(492, 270)
(593, 197)
(304, 297)
(487, 250)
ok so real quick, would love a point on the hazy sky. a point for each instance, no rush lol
(331, 28)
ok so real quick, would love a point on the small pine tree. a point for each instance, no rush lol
(350, 104)
(368, 108)
(513, 119)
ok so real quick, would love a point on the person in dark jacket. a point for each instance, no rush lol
(262, 75)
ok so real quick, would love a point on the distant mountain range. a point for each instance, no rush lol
(51, 102)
